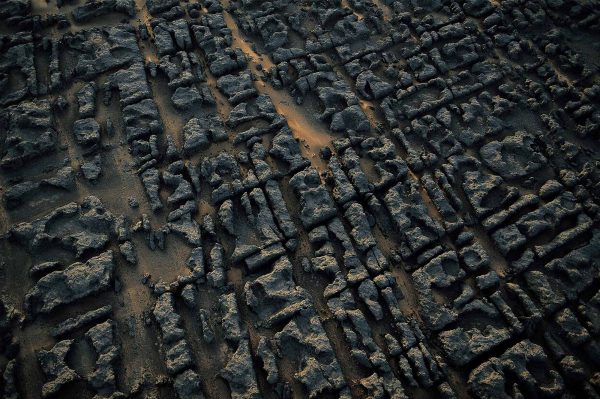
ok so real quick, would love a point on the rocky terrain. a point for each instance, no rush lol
(299, 199)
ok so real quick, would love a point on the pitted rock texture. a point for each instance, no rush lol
(299, 199)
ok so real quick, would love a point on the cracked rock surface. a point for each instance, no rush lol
(346, 199)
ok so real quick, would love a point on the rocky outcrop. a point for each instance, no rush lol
(76, 281)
